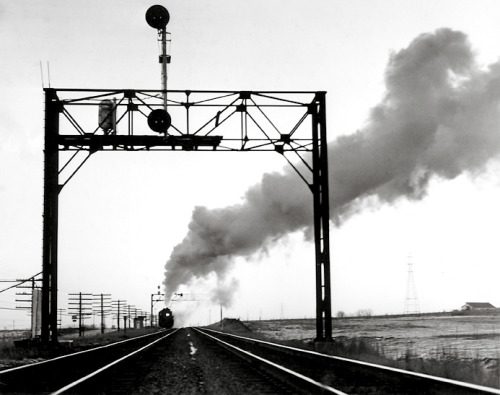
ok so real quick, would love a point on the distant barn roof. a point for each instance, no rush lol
(480, 305)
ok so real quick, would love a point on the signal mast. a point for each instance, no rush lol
(157, 17)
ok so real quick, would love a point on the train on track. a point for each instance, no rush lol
(165, 318)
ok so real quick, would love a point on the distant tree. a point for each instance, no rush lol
(365, 313)
(340, 314)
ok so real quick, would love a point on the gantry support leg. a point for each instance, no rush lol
(321, 219)
(50, 218)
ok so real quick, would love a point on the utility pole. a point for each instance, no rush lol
(82, 303)
(118, 305)
(102, 306)
(34, 300)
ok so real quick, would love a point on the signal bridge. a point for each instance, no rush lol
(289, 123)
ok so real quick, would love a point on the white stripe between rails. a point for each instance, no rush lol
(75, 353)
(354, 361)
(96, 372)
(282, 368)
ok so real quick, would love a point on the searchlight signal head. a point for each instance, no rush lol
(159, 120)
(157, 17)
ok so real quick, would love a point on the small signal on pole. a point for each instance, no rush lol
(157, 17)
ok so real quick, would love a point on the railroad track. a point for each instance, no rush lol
(79, 372)
(176, 362)
(203, 361)
(314, 372)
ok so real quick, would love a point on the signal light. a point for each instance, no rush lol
(157, 17)
(107, 116)
(159, 121)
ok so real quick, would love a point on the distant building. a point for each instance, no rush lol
(139, 322)
(477, 306)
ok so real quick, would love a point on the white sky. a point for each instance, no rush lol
(123, 213)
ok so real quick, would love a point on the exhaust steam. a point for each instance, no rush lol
(439, 118)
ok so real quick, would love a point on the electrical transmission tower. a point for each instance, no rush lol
(411, 300)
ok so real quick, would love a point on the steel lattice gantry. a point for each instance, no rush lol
(292, 124)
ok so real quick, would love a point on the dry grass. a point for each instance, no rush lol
(458, 348)
(447, 364)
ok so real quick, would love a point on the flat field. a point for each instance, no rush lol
(426, 336)
(458, 347)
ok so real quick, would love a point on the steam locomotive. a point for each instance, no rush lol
(165, 318)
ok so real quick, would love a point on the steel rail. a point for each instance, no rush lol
(49, 375)
(67, 356)
(276, 346)
(277, 370)
(104, 368)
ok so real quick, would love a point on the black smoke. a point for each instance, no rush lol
(439, 118)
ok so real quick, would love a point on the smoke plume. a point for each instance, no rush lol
(439, 118)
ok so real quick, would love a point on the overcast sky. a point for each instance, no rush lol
(123, 213)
